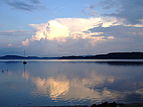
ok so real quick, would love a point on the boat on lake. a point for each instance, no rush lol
(24, 62)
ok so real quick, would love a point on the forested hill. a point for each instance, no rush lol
(117, 55)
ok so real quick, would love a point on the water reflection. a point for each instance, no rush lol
(83, 89)
(75, 88)
(79, 88)
(122, 63)
(85, 83)
(51, 86)
(25, 75)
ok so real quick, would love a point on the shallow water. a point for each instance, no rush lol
(70, 82)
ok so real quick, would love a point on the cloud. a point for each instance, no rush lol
(130, 10)
(90, 11)
(26, 42)
(64, 29)
(27, 5)
(120, 31)
(15, 32)
(12, 39)
(126, 38)
(76, 36)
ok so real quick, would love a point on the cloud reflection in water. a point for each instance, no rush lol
(76, 88)
(51, 86)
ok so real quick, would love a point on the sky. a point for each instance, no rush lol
(70, 27)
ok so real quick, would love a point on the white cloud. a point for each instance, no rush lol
(78, 36)
(26, 42)
(62, 29)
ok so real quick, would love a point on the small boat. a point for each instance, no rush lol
(24, 62)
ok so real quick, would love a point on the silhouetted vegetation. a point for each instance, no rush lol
(28, 57)
(117, 55)
(105, 104)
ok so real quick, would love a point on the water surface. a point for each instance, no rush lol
(70, 82)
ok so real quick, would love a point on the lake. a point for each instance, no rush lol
(70, 82)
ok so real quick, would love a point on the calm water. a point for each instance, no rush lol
(69, 82)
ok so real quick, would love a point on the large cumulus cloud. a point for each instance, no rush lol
(66, 36)
(64, 29)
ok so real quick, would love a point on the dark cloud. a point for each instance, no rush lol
(126, 38)
(120, 31)
(35, 1)
(27, 5)
(130, 10)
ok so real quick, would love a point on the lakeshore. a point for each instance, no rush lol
(105, 104)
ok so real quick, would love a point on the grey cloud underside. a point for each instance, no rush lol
(16, 33)
(125, 38)
(27, 5)
(120, 31)
(130, 10)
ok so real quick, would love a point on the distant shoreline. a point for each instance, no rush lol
(116, 55)
(105, 104)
